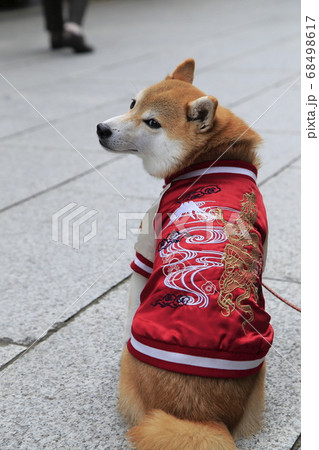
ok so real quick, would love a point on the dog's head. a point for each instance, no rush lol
(168, 125)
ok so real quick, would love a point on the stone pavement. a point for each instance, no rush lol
(67, 305)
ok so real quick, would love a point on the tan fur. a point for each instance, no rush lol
(179, 434)
(172, 411)
(236, 403)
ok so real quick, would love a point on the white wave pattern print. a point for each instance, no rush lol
(181, 265)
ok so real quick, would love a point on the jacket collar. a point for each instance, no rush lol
(208, 168)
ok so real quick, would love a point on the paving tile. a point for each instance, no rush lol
(275, 109)
(26, 22)
(19, 115)
(77, 130)
(289, 290)
(9, 351)
(58, 100)
(43, 278)
(75, 373)
(277, 151)
(282, 200)
(30, 170)
(282, 407)
(237, 79)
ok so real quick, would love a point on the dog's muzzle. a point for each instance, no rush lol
(104, 132)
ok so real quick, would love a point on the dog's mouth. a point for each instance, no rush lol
(104, 145)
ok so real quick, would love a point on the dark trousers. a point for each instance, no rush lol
(53, 13)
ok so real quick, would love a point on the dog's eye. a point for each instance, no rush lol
(133, 103)
(152, 123)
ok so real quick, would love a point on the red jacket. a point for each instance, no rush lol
(202, 308)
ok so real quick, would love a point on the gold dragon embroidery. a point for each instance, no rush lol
(242, 260)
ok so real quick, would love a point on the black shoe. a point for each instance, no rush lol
(66, 39)
(57, 40)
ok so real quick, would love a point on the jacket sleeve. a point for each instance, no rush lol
(146, 244)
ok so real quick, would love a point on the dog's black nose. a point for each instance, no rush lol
(103, 130)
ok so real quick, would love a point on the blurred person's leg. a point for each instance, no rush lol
(66, 34)
(77, 10)
(53, 15)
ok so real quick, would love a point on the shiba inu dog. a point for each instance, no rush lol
(193, 369)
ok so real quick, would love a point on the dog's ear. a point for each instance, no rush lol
(202, 111)
(183, 72)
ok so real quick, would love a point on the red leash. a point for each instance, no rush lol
(281, 298)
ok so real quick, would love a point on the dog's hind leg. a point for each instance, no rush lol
(130, 402)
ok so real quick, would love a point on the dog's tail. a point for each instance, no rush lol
(161, 431)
